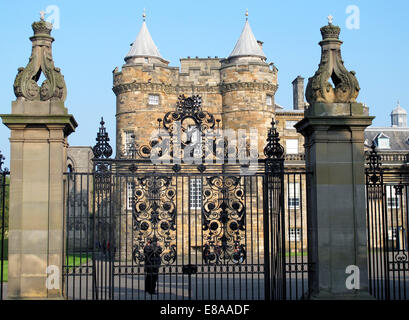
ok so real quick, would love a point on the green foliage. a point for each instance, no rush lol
(5, 270)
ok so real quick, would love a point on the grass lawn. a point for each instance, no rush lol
(73, 260)
(77, 259)
(5, 270)
(5, 261)
(299, 254)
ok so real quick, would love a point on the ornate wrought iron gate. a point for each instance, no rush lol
(387, 193)
(136, 230)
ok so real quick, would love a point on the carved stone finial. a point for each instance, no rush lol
(319, 89)
(41, 61)
(42, 15)
(330, 19)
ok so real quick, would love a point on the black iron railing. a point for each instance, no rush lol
(4, 192)
(140, 231)
(387, 196)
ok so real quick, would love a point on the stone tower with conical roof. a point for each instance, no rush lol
(239, 90)
(248, 85)
(398, 117)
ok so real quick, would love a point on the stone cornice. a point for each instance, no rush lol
(161, 87)
(178, 89)
(248, 86)
(67, 122)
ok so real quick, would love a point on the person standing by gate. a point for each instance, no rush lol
(206, 253)
(152, 252)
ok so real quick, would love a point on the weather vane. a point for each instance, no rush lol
(247, 14)
(144, 14)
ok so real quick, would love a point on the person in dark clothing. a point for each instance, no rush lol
(152, 252)
(104, 246)
(206, 253)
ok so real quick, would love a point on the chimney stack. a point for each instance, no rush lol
(298, 93)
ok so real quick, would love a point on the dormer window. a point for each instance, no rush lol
(382, 141)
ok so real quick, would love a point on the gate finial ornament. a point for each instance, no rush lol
(273, 149)
(331, 67)
(102, 149)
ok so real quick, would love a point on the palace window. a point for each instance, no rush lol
(293, 195)
(295, 234)
(289, 124)
(392, 233)
(392, 198)
(129, 195)
(129, 139)
(382, 141)
(291, 146)
(153, 99)
(269, 100)
(195, 193)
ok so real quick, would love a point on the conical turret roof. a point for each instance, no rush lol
(143, 46)
(247, 44)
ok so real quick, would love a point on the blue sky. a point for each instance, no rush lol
(94, 37)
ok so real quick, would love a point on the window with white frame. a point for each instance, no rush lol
(269, 100)
(392, 198)
(295, 234)
(129, 195)
(293, 195)
(383, 143)
(291, 146)
(195, 193)
(289, 124)
(129, 139)
(153, 99)
(392, 234)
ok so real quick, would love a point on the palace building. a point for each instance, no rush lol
(238, 92)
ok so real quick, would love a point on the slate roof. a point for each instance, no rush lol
(143, 46)
(398, 137)
(247, 44)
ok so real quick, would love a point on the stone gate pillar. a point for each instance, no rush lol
(40, 125)
(333, 127)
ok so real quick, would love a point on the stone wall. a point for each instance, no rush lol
(235, 93)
